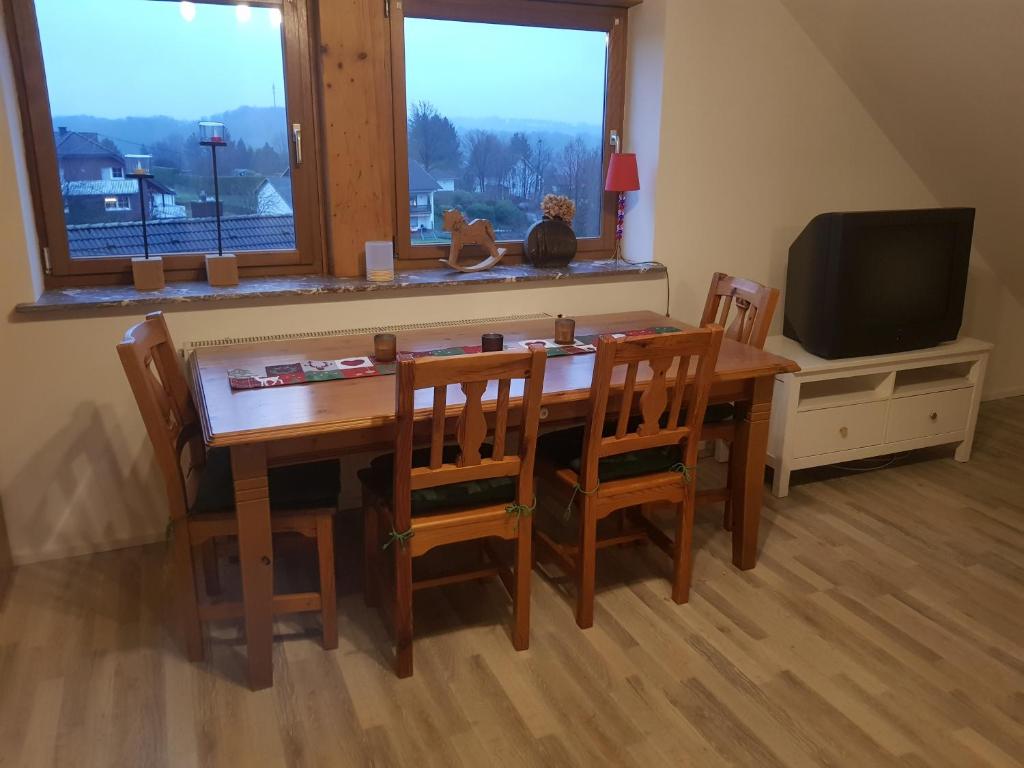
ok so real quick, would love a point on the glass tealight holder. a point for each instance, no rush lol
(139, 165)
(211, 133)
(385, 347)
(565, 331)
(380, 261)
(492, 342)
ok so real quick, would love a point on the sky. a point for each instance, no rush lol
(119, 58)
(141, 58)
(486, 70)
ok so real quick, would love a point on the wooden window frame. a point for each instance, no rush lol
(300, 46)
(610, 17)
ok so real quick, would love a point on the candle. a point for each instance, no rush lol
(565, 331)
(492, 342)
(385, 347)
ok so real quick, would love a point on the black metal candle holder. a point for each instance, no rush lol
(139, 169)
(213, 135)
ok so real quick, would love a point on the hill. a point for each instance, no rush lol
(255, 125)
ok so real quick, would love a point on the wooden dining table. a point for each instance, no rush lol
(291, 424)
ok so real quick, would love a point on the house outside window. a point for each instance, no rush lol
(91, 227)
(495, 155)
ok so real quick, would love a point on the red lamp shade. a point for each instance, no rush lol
(622, 173)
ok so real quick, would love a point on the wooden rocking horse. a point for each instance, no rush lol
(477, 232)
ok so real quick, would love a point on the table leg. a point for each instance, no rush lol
(750, 451)
(256, 556)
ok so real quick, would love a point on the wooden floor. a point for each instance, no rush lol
(883, 626)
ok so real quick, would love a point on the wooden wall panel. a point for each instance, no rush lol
(357, 129)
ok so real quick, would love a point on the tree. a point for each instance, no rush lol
(482, 157)
(433, 140)
(581, 169)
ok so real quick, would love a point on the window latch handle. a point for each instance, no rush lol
(297, 139)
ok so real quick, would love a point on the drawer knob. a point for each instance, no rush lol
(934, 416)
(843, 431)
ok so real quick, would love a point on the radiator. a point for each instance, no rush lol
(190, 346)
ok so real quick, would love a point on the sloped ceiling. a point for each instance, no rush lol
(944, 79)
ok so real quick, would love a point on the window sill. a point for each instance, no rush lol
(289, 288)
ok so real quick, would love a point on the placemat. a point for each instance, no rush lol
(360, 367)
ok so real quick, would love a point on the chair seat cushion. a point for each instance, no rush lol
(564, 448)
(477, 493)
(303, 486)
(719, 412)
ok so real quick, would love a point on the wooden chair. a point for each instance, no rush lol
(628, 463)
(200, 493)
(754, 306)
(415, 501)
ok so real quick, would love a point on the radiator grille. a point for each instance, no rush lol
(189, 346)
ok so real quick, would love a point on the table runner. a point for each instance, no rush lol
(311, 371)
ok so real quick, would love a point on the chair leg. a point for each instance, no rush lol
(328, 595)
(684, 546)
(727, 515)
(403, 610)
(371, 549)
(585, 567)
(211, 568)
(185, 589)
(523, 573)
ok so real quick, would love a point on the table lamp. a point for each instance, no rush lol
(622, 177)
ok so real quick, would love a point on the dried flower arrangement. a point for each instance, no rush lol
(558, 207)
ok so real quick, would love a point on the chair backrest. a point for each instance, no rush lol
(669, 357)
(754, 304)
(162, 394)
(473, 374)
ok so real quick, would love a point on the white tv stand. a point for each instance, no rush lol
(841, 410)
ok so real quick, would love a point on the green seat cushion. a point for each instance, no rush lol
(564, 448)
(303, 486)
(477, 493)
(719, 412)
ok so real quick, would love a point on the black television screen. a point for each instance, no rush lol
(875, 282)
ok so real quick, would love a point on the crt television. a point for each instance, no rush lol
(874, 282)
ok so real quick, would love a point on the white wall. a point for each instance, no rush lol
(76, 472)
(758, 133)
(755, 134)
(945, 87)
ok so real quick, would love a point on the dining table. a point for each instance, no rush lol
(280, 425)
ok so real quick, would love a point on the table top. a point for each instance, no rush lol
(235, 417)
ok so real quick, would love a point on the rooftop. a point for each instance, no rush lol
(128, 186)
(81, 144)
(241, 233)
(420, 180)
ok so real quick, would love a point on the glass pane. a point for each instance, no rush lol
(129, 81)
(500, 116)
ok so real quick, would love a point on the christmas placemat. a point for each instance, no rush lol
(310, 371)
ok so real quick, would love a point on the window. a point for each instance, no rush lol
(176, 63)
(117, 203)
(483, 128)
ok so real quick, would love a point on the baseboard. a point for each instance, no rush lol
(1002, 394)
(85, 548)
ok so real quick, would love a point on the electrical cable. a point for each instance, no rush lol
(887, 461)
(668, 281)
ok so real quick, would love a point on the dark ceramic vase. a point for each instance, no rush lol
(550, 243)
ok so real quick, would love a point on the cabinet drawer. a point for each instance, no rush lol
(926, 415)
(839, 429)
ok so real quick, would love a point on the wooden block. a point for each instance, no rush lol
(221, 269)
(148, 274)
